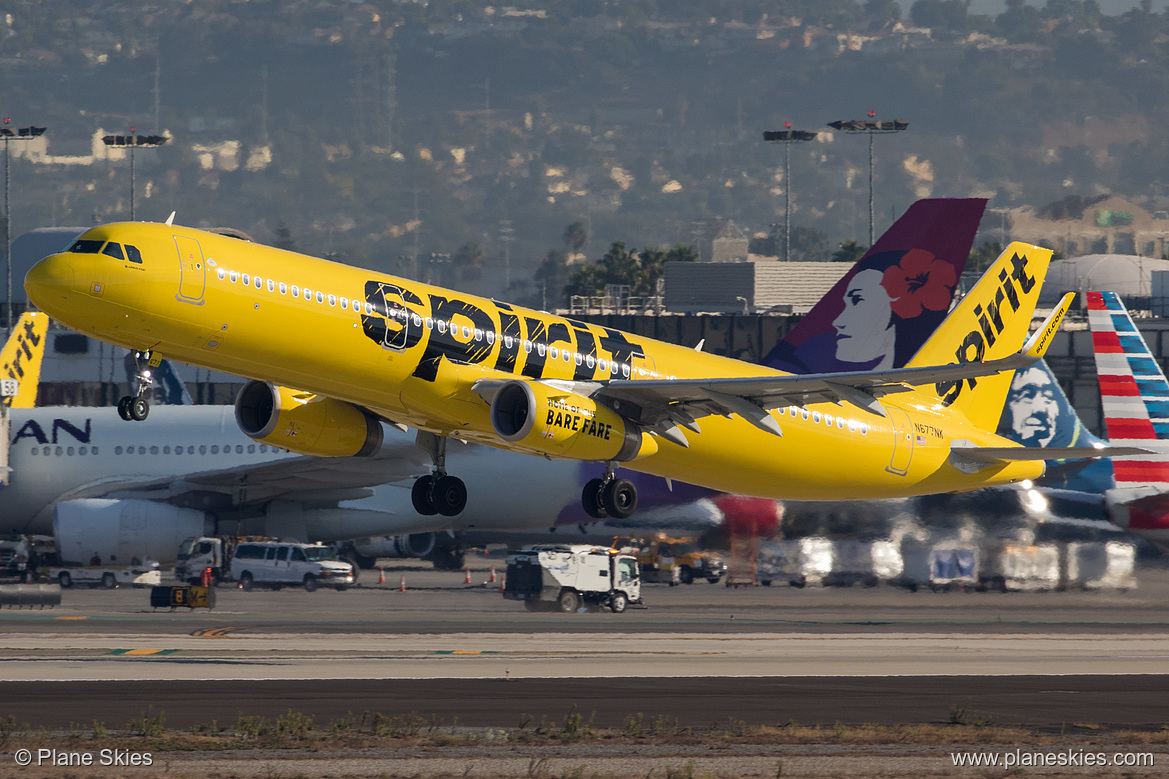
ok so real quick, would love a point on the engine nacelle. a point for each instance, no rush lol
(305, 423)
(119, 530)
(541, 419)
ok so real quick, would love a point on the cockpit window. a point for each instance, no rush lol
(114, 250)
(133, 255)
(86, 247)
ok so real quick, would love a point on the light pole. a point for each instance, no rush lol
(133, 142)
(12, 134)
(872, 127)
(787, 138)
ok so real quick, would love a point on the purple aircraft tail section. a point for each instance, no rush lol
(881, 312)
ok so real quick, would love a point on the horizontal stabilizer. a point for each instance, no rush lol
(969, 458)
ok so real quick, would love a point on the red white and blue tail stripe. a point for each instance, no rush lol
(1133, 392)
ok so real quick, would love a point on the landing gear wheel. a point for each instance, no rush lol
(422, 495)
(618, 602)
(310, 583)
(65, 580)
(246, 582)
(449, 495)
(568, 601)
(124, 407)
(590, 499)
(139, 409)
(620, 498)
(108, 581)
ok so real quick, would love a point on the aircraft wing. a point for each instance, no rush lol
(666, 403)
(295, 478)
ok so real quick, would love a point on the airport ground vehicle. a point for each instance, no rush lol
(16, 555)
(677, 560)
(199, 553)
(145, 574)
(565, 577)
(277, 564)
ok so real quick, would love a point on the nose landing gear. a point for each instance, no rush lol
(137, 407)
(609, 496)
(438, 492)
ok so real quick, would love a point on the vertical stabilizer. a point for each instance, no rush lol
(1133, 393)
(991, 322)
(881, 312)
(22, 356)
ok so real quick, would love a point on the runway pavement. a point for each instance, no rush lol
(702, 653)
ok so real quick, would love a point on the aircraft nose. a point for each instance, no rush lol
(50, 280)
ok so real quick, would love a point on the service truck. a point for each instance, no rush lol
(144, 574)
(676, 560)
(569, 576)
(199, 553)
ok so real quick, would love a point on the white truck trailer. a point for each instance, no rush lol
(565, 577)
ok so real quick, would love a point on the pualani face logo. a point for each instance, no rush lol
(990, 324)
(398, 319)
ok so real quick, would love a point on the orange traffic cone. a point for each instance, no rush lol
(402, 584)
(467, 578)
(491, 579)
(381, 575)
(502, 583)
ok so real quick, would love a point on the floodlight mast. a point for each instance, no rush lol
(12, 134)
(133, 142)
(787, 138)
(872, 127)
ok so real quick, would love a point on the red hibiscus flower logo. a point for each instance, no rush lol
(919, 283)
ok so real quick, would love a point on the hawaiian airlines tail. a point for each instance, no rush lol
(988, 324)
(915, 264)
(22, 356)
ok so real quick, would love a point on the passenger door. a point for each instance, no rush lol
(192, 270)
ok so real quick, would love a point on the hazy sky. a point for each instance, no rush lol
(1109, 7)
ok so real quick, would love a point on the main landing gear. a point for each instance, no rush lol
(438, 492)
(609, 496)
(137, 407)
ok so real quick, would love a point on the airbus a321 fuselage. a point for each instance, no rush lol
(358, 346)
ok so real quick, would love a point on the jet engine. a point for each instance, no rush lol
(542, 419)
(119, 530)
(305, 423)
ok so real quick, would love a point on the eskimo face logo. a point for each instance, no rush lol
(990, 323)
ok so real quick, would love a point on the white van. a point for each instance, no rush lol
(278, 564)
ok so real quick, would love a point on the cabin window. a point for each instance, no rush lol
(851, 426)
(86, 247)
(828, 420)
(215, 449)
(865, 429)
(153, 450)
(259, 282)
(271, 285)
(83, 450)
(295, 291)
(203, 449)
(441, 327)
(283, 288)
(239, 449)
(166, 450)
(415, 320)
(345, 304)
(320, 297)
(247, 280)
(308, 294)
(117, 450)
(491, 337)
(590, 361)
(527, 347)
(804, 414)
(508, 341)
(133, 255)
(553, 352)
(221, 273)
(332, 300)
(234, 276)
(69, 451)
(840, 422)
(478, 334)
(579, 358)
(816, 417)
(625, 369)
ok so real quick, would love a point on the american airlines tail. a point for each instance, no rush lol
(22, 356)
(1135, 398)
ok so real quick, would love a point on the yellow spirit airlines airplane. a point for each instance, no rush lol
(331, 349)
(20, 359)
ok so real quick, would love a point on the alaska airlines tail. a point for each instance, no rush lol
(1038, 413)
(914, 266)
(989, 323)
(22, 356)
